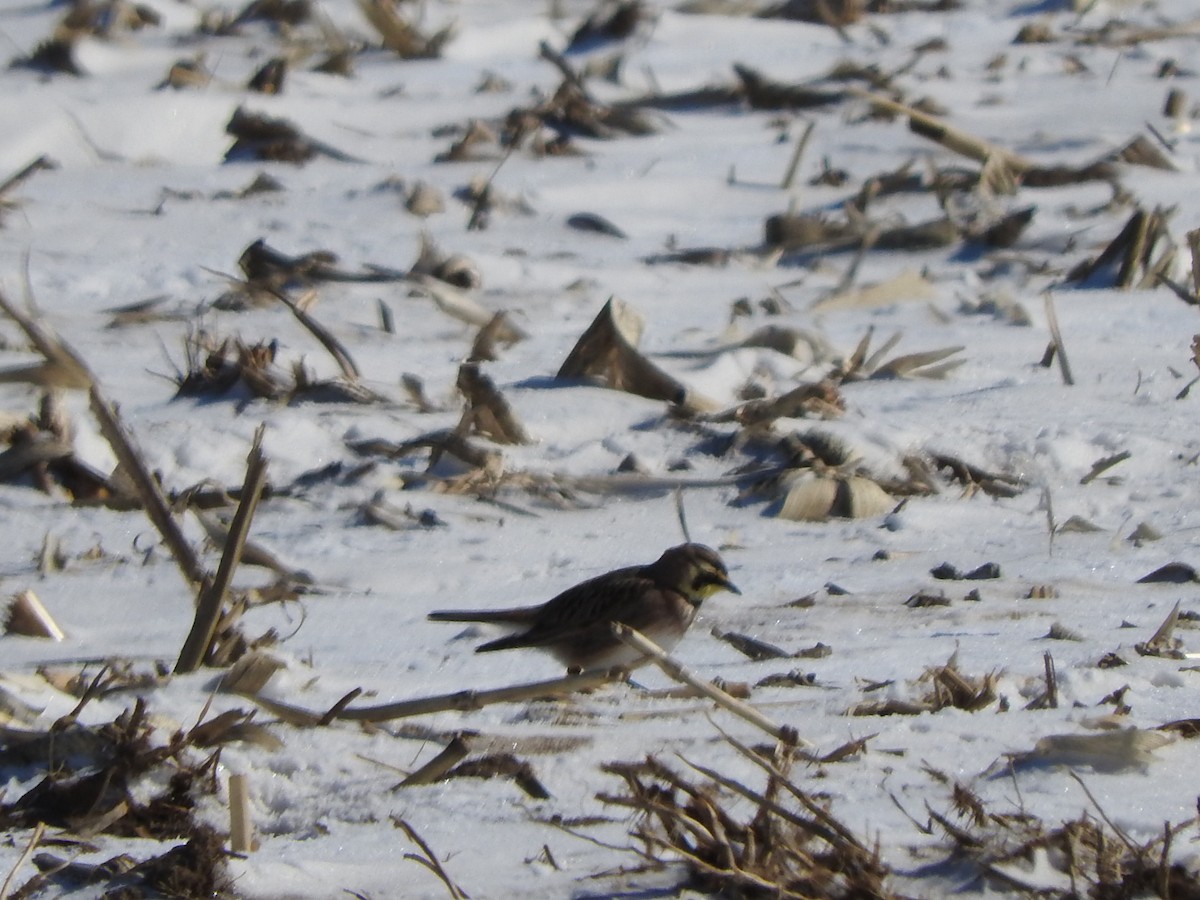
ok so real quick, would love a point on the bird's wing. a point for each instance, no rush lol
(614, 596)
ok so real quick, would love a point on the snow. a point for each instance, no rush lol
(138, 208)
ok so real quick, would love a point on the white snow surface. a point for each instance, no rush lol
(132, 212)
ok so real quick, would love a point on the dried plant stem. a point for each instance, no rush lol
(1051, 682)
(454, 753)
(241, 825)
(951, 138)
(387, 320)
(34, 840)
(1056, 335)
(212, 595)
(430, 860)
(794, 164)
(42, 162)
(1193, 239)
(735, 875)
(774, 806)
(805, 800)
(1047, 699)
(1117, 830)
(331, 713)
(673, 669)
(339, 353)
(1103, 465)
(130, 459)
(461, 700)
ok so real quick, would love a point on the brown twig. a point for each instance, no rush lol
(130, 458)
(1101, 466)
(339, 353)
(453, 753)
(212, 596)
(460, 700)
(332, 713)
(430, 860)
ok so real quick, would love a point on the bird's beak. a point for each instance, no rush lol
(730, 586)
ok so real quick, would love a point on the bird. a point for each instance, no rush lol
(659, 599)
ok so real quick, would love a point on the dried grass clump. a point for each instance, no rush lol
(787, 845)
(1142, 252)
(91, 774)
(1085, 857)
(945, 687)
(818, 477)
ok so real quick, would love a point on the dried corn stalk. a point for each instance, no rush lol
(607, 350)
(815, 497)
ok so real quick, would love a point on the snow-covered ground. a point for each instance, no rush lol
(143, 205)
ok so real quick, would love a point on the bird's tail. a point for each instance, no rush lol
(520, 615)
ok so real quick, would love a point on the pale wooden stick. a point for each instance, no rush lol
(241, 824)
(948, 136)
(212, 595)
(673, 669)
(461, 700)
(790, 175)
(34, 840)
(1056, 336)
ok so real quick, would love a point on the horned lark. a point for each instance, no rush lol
(659, 600)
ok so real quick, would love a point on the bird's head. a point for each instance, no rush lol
(694, 570)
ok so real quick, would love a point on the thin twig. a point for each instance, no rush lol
(1116, 829)
(790, 175)
(430, 860)
(339, 353)
(331, 714)
(460, 700)
(674, 669)
(132, 463)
